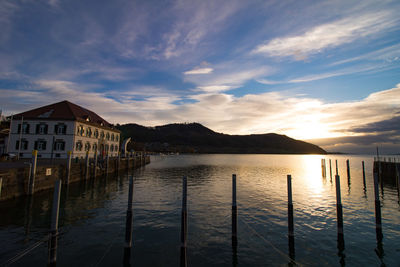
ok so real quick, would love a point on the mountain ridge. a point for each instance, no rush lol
(196, 138)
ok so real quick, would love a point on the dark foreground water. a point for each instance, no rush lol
(92, 215)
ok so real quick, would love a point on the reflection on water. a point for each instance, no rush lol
(93, 215)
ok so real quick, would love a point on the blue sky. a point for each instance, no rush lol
(326, 71)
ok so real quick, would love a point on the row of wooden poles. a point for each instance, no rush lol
(53, 234)
(34, 161)
(183, 246)
(378, 173)
(339, 212)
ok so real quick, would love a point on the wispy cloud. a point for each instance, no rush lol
(360, 68)
(199, 71)
(227, 76)
(7, 10)
(194, 22)
(328, 35)
(387, 54)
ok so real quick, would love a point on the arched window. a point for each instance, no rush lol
(89, 132)
(101, 134)
(78, 146)
(108, 136)
(112, 148)
(87, 146)
(80, 131)
(96, 133)
(112, 137)
(116, 138)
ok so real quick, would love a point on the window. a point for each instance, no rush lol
(24, 145)
(116, 147)
(78, 146)
(41, 128)
(96, 133)
(59, 145)
(40, 145)
(112, 148)
(87, 146)
(80, 131)
(112, 137)
(116, 138)
(60, 129)
(101, 134)
(108, 136)
(106, 148)
(89, 132)
(94, 147)
(25, 128)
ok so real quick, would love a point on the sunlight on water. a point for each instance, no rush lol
(92, 215)
(311, 173)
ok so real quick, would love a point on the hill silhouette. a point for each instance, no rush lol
(195, 138)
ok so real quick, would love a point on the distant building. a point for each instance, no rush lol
(55, 129)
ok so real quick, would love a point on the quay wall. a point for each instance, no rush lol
(15, 181)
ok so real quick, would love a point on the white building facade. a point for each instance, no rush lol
(55, 132)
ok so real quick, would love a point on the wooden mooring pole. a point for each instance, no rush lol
(54, 224)
(32, 176)
(378, 216)
(348, 171)
(107, 163)
(95, 164)
(330, 169)
(363, 171)
(234, 222)
(337, 169)
(183, 262)
(290, 218)
(129, 225)
(87, 165)
(127, 161)
(397, 179)
(68, 174)
(234, 212)
(119, 162)
(339, 212)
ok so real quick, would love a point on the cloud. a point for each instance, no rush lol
(7, 11)
(390, 125)
(329, 35)
(387, 54)
(199, 71)
(360, 68)
(194, 21)
(214, 88)
(227, 76)
(371, 120)
(365, 144)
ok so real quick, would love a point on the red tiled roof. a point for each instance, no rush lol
(64, 110)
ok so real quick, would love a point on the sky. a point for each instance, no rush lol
(323, 71)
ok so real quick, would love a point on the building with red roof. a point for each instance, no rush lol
(55, 129)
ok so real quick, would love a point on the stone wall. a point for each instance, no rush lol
(15, 181)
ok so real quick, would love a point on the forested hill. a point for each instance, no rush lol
(195, 138)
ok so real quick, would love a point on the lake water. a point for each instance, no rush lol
(92, 215)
